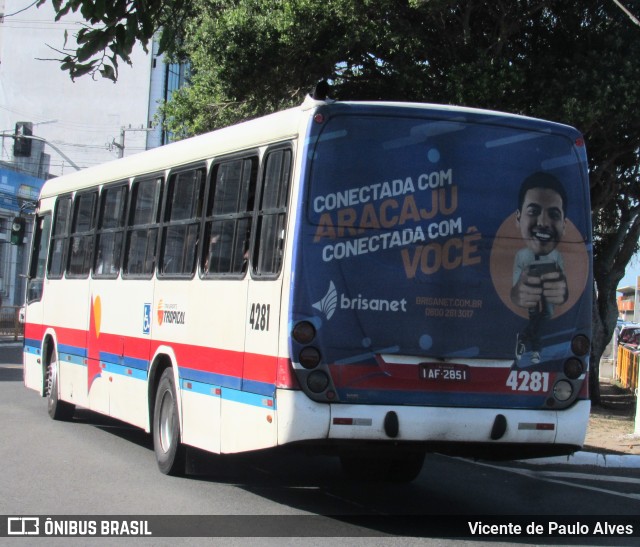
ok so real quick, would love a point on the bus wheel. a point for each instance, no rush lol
(58, 410)
(402, 467)
(170, 453)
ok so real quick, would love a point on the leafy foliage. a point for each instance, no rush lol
(116, 26)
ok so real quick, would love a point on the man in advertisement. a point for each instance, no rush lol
(539, 282)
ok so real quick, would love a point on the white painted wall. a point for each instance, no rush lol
(79, 119)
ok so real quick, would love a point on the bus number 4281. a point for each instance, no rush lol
(259, 316)
(522, 380)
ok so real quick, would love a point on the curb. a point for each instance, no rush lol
(593, 459)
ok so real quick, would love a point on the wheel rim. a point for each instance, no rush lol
(48, 381)
(166, 419)
(51, 370)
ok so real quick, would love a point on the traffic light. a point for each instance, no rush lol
(22, 142)
(18, 228)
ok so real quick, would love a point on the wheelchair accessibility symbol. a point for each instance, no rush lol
(146, 321)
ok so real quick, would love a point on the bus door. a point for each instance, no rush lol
(33, 328)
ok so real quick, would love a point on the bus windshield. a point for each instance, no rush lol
(437, 256)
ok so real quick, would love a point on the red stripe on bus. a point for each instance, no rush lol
(250, 366)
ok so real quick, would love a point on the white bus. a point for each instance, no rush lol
(377, 279)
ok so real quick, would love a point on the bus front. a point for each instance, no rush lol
(441, 292)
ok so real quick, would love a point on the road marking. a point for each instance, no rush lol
(590, 477)
(550, 474)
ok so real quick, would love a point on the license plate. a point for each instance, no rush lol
(444, 372)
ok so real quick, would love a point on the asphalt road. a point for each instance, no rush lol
(97, 466)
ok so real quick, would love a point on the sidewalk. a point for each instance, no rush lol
(593, 459)
(610, 442)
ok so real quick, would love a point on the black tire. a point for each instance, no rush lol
(58, 410)
(170, 453)
(401, 467)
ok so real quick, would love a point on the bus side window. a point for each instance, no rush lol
(59, 237)
(110, 233)
(272, 213)
(38, 258)
(228, 217)
(142, 228)
(81, 242)
(181, 228)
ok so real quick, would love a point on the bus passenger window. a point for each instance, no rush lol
(110, 233)
(81, 242)
(272, 214)
(142, 229)
(59, 237)
(228, 217)
(181, 226)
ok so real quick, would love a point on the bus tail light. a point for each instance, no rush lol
(309, 357)
(580, 345)
(317, 381)
(573, 368)
(304, 332)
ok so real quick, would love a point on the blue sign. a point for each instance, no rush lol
(16, 188)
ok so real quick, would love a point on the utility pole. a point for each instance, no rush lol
(123, 130)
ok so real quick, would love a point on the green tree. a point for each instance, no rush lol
(116, 26)
(573, 61)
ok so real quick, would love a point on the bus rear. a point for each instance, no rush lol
(441, 297)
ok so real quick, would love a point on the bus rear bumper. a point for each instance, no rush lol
(481, 432)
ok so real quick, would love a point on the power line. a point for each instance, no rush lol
(20, 11)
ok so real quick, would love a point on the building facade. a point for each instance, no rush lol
(70, 125)
(629, 303)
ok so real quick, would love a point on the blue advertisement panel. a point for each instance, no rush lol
(16, 187)
(440, 253)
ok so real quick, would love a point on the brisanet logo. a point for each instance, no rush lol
(331, 300)
(327, 304)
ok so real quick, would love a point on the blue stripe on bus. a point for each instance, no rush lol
(32, 345)
(132, 362)
(261, 388)
(212, 378)
(247, 398)
(72, 350)
(201, 381)
(106, 366)
(233, 382)
(233, 395)
(123, 370)
(71, 358)
(199, 387)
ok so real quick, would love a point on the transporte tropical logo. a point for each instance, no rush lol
(170, 314)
